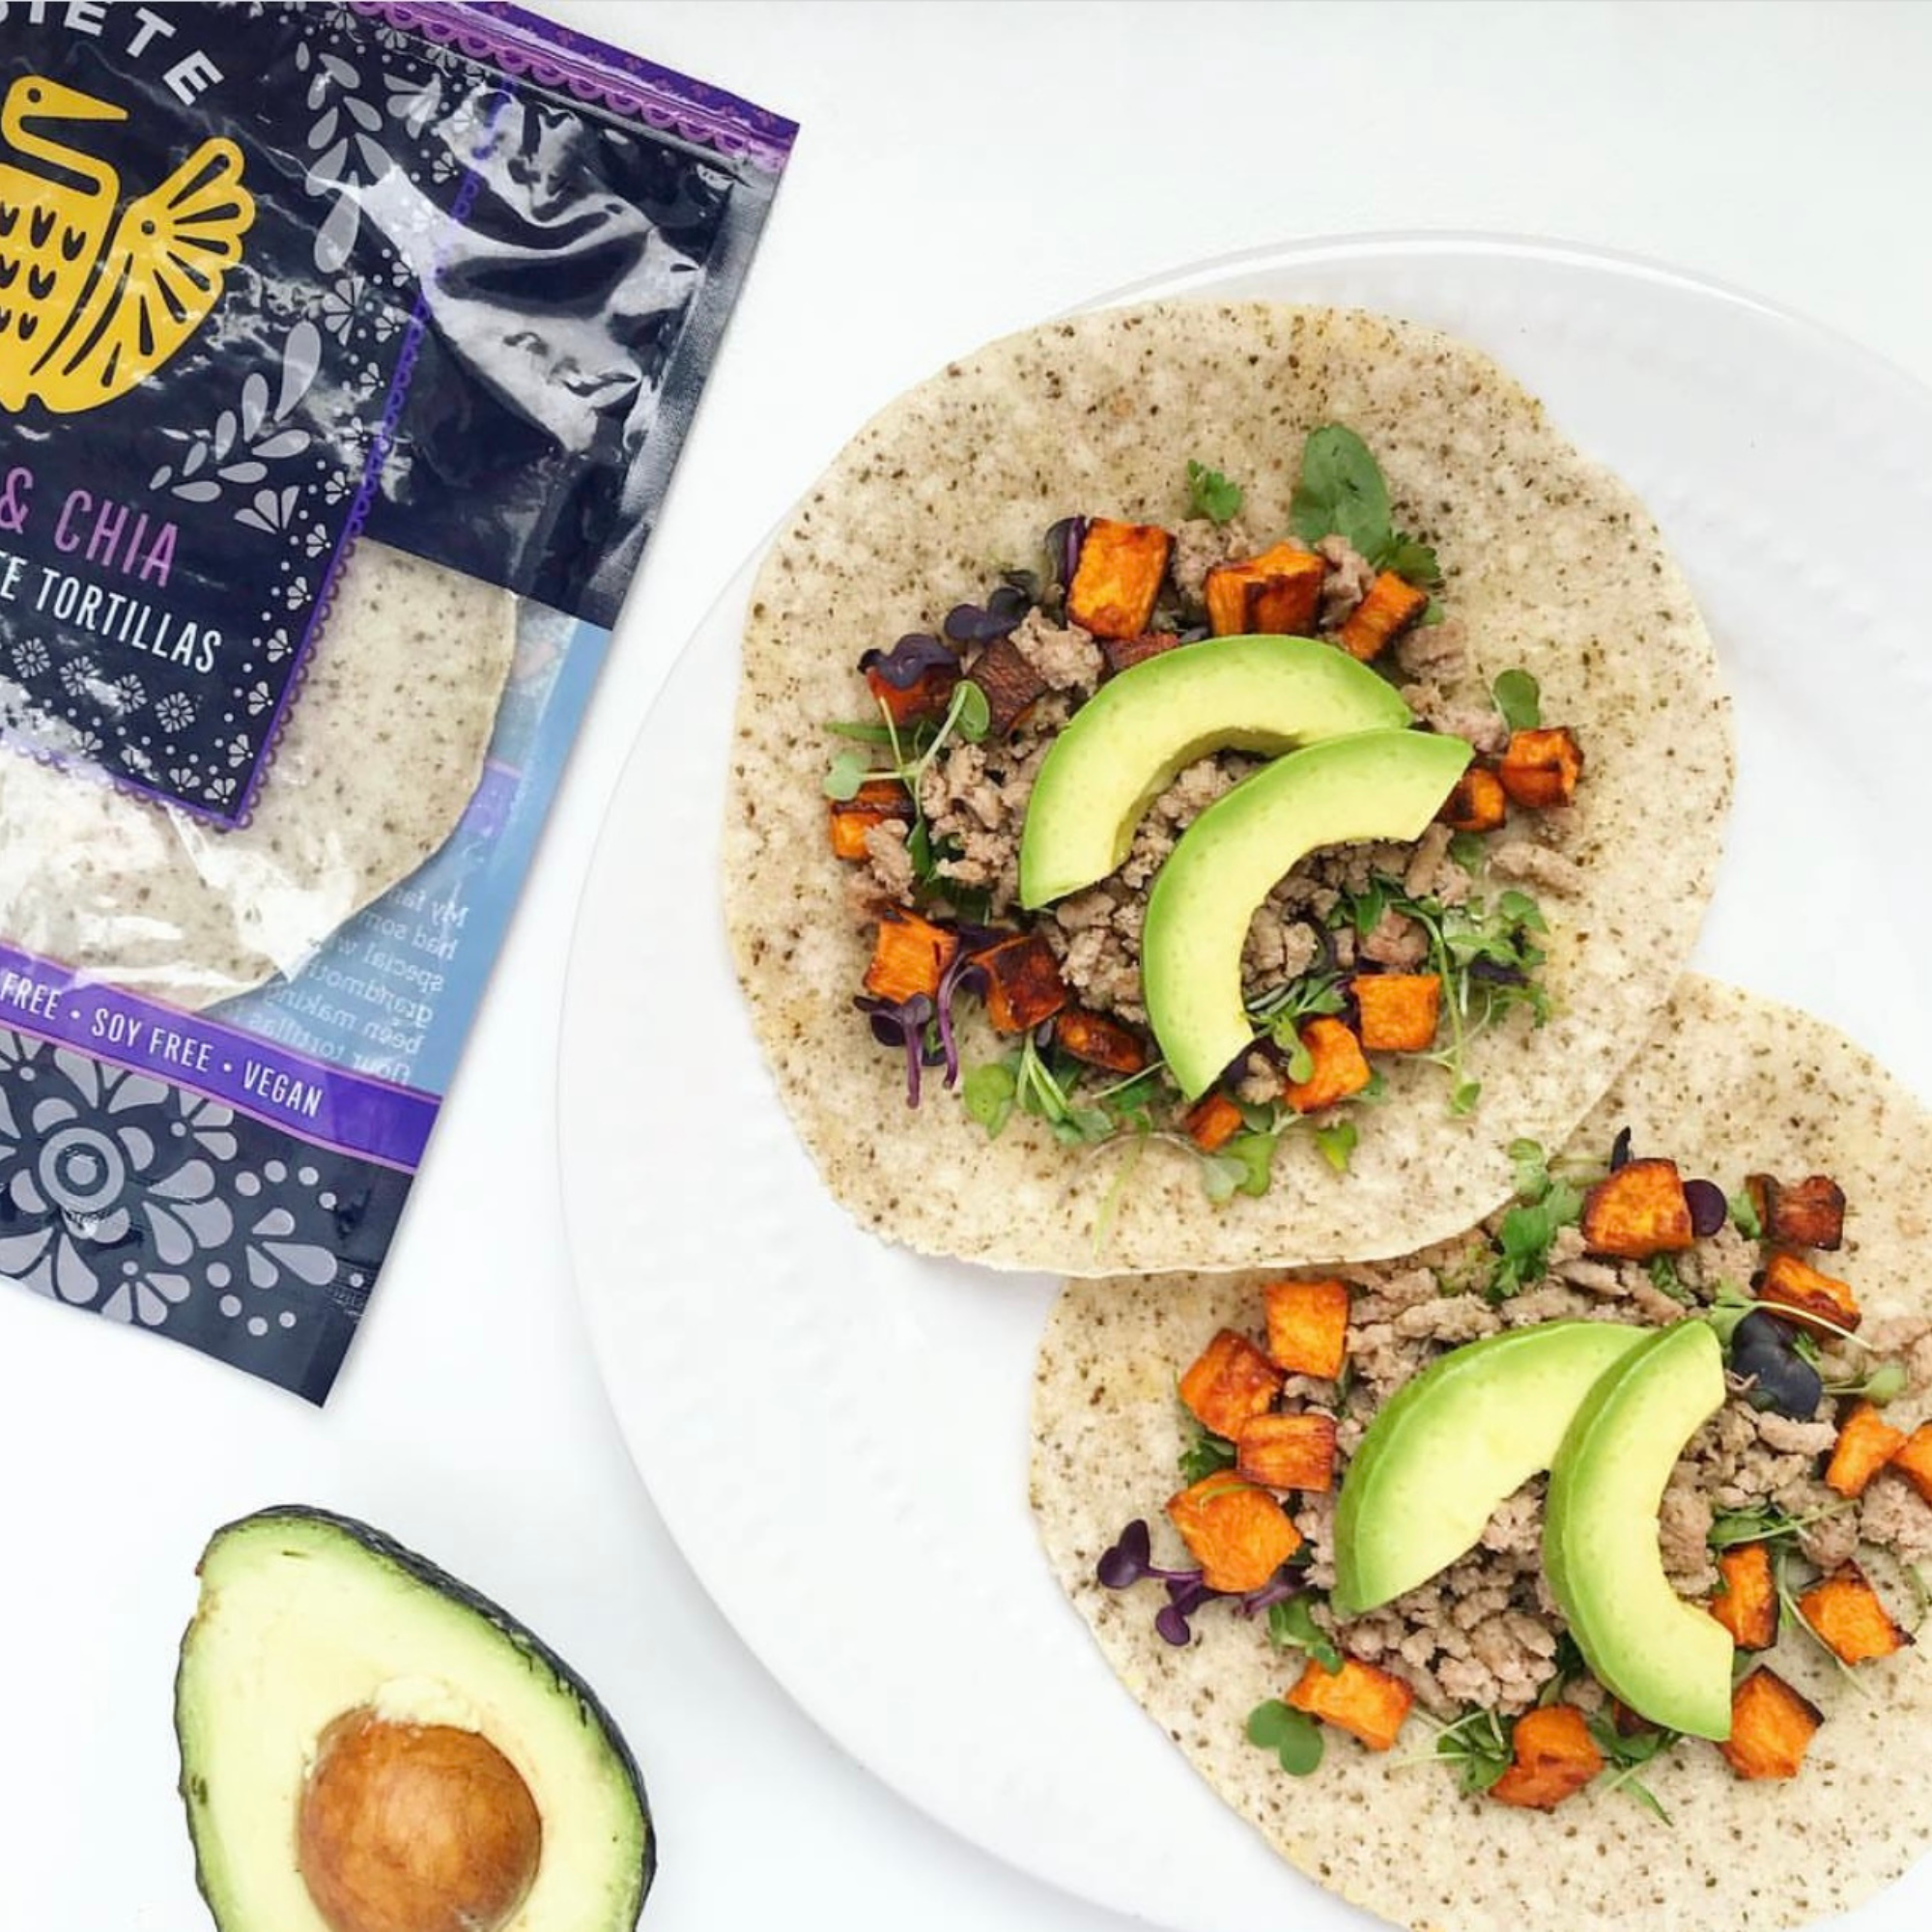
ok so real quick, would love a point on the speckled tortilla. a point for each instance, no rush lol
(381, 753)
(1730, 1083)
(1553, 566)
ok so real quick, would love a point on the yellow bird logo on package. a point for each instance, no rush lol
(93, 302)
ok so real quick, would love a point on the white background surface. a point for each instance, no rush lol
(962, 170)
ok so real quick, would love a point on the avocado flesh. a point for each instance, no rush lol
(1368, 785)
(1467, 1432)
(1124, 747)
(1667, 1658)
(305, 1615)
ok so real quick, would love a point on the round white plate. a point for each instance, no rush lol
(835, 1431)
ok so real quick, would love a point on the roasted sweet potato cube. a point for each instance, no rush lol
(1118, 578)
(1392, 607)
(872, 803)
(1358, 1698)
(927, 697)
(1277, 592)
(1288, 1452)
(1912, 1461)
(1867, 1443)
(909, 956)
(1212, 1122)
(1307, 1326)
(1846, 1611)
(1746, 1599)
(1124, 653)
(1239, 1534)
(1023, 983)
(1398, 1010)
(1477, 804)
(1797, 1288)
(1551, 1757)
(1339, 1071)
(1771, 1726)
(1808, 1214)
(1541, 768)
(1011, 685)
(1229, 1382)
(1639, 1212)
(1099, 1042)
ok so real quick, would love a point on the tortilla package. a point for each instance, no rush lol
(1045, 516)
(346, 354)
(1803, 1499)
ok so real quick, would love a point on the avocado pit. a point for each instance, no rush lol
(415, 1828)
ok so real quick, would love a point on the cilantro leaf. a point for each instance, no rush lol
(1208, 1455)
(1292, 1735)
(1211, 495)
(1337, 1143)
(1416, 563)
(1341, 492)
(989, 1093)
(1292, 1625)
(1532, 1170)
(1519, 700)
(1526, 1236)
(1744, 1215)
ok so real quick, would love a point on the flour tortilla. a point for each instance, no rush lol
(382, 751)
(1554, 566)
(1730, 1083)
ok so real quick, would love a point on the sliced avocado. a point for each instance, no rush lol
(1122, 748)
(1668, 1660)
(317, 1636)
(1470, 1430)
(1371, 784)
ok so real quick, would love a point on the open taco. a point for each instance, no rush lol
(1481, 1745)
(1415, 904)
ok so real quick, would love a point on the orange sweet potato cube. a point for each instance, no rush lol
(1912, 1461)
(1118, 578)
(1797, 1288)
(1099, 1042)
(1771, 1726)
(1846, 1611)
(1747, 1604)
(1808, 1213)
(1639, 1212)
(1358, 1698)
(1307, 1326)
(1229, 1382)
(1023, 983)
(1867, 1443)
(872, 803)
(1288, 1452)
(1277, 592)
(1239, 1534)
(909, 956)
(1398, 1010)
(1541, 768)
(1478, 802)
(1212, 1122)
(1339, 1071)
(1392, 607)
(1124, 653)
(1551, 1755)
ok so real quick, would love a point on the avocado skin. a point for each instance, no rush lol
(386, 1550)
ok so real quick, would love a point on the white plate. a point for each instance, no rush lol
(835, 1432)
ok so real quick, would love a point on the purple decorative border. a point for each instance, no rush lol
(525, 44)
(329, 1106)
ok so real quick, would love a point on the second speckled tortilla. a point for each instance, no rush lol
(381, 753)
(1553, 566)
(1730, 1084)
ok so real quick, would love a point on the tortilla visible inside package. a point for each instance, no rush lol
(1554, 568)
(382, 751)
(1729, 1084)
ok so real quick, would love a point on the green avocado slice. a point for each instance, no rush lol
(305, 1616)
(1667, 1658)
(1124, 747)
(1371, 784)
(1467, 1432)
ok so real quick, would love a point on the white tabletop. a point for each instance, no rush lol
(963, 169)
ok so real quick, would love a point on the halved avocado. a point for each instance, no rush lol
(1371, 784)
(1667, 1658)
(1122, 748)
(326, 1663)
(1467, 1432)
